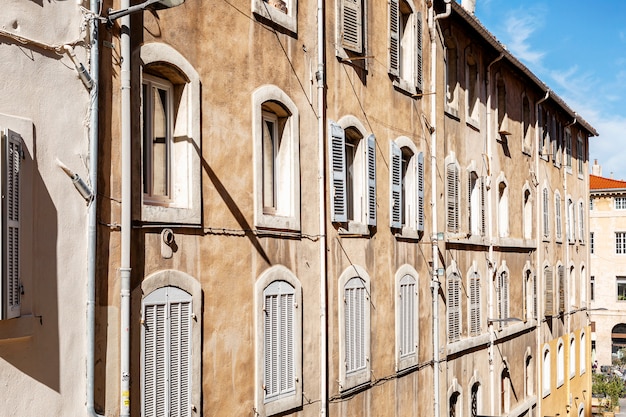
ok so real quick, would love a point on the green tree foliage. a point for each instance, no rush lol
(610, 386)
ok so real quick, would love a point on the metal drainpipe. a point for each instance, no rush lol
(435, 284)
(490, 261)
(126, 218)
(321, 122)
(93, 207)
(540, 300)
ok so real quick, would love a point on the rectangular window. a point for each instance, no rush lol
(591, 204)
(579, 155)
(621, 288)
(405, 46)
(591, 243)
(407, 322)
(270, 154)
(157, 138)
(620, 243)
(568, 150)
(620, 203)
(592, 285)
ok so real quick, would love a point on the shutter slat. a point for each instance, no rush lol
(394, 38)
(549, 292)
(352, 25)
(420, 191)
(419, 83)
(11, 213)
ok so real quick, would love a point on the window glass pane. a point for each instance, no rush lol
(160, 125)
(621, 288)
(269, 169)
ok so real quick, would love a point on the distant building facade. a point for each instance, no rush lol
(608, 267)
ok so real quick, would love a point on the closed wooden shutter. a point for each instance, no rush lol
(371, 181)
(454, 308)
(355, 304)
(394, 38)
(352, 25)
(549, 292)
(279, 343)
(396, 202)
(420, 191)
(407, 316)
(452, 197)
(337, 158)
(561, 272)
(11, 286)
(475, 319)
(419, 82)
(166, 353)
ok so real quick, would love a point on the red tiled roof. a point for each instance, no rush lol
(601, 183)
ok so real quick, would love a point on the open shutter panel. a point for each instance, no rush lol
(483, 207)
(546, 217)
(453, 308)
(337, 158)
(371, 180)
(11, 217)
(180, 359)
(355, 309)
(561, 272)
(352, 25)
(396, 187)
(452, 189)
(470, 190)
(408, 339)
(549, 292)
(475, 324)
(419, 73)
(154, 367)
(420, 191)
(394, 38)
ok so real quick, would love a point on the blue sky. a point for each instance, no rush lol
(577, 48)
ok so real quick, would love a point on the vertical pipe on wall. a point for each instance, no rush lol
(126, 218)
(93, 206)
(321, 123)
(490, 261)
(435, 284)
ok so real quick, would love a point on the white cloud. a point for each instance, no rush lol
(520, 26)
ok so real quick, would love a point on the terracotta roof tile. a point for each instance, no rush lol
(601, 183)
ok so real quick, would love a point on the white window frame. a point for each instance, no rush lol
(360, 373)
(184, 205)
(286, 215)
(583, 353)
(473, 90)
(268, 405)
(558, 217)
(503, 289)
(191, 291)
(560, 363)
(407, 188)
(407, 317)
(287, 19)
(405, 46)
(619, 203)
(527, 210)
(571, 221)
(546, 212)
(568, 151)
(353, 199)
(572, 356)
(503, 206)
(620, 243)
(546, 377)
(580, 156)
(476, 202)
(581, 222)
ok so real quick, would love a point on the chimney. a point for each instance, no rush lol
(596, 169)
(469, 5)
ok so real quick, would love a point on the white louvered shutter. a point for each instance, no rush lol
(352, 25)
(420, 191)
(470, 208)
(483, 207)
(581, 221)
(557, 215)
(534, 296)
(452, 194)
(546, 213)
(503, 297)
(337, 158)
(407, 316)
(394, 38)
(166, 353)
(419, 72)
(371, 181)
(454, 311)
(396, 202)
(355, 299)
(549, 292)
(475, 319)
(11, 287)
(279, 343)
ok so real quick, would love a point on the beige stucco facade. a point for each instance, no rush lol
(391, 192)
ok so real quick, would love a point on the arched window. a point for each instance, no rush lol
(583, 353)
(546, 377)
(560, 363)
(503, 296)
(572, 356)
(503, 209)
(528, 214)
(407, 187)
(407, 317)
(454, 305)
(529, 374)
(476, 203)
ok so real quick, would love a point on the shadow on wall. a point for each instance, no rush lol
(30, 343)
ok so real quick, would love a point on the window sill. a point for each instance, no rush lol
(405, 87)
(467, 344)
(523, 408)
(515, 329)
(451, 112)
(509, 242)
(473, 123)
(22, 327)
(275, 17)
(355, 229)
(277, 222)
(408, 233)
